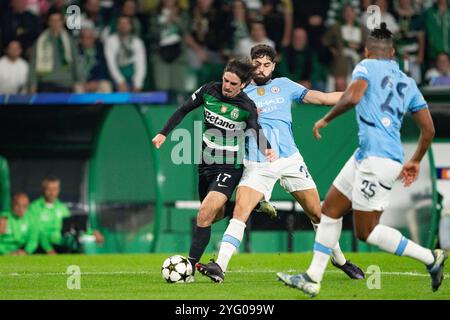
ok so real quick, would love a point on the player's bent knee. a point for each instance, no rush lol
(205, 216)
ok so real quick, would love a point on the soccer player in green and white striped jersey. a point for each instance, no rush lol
(228, 114)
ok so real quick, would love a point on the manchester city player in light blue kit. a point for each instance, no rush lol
(274, 98)
(382, 94)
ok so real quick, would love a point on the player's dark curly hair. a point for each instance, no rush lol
(380, 39)
(263, 50)
(381, 33)
(241, 67)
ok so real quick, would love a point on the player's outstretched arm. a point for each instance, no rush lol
(349, 99)
(193, 102)
(322, 98)
(410, 170)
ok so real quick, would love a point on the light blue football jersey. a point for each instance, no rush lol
(274, 101)
(389, 95)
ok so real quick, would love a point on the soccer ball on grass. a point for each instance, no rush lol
(177, 269)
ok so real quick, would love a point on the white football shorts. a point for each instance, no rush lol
(367, 184)
(291, 171)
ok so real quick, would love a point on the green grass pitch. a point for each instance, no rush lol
(250, 277)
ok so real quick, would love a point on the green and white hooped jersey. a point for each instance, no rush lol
(224, 123)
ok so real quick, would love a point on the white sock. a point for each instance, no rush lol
(230, 242)
(327, 236)
(338, 255)
(392, 241)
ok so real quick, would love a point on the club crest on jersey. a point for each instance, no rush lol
(275, 89)
(223, 109)
(261, 91)
(235, 113)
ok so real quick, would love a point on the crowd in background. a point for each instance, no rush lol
(176, 45)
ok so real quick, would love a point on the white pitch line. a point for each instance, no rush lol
(408, 274)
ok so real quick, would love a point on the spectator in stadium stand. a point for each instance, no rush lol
(335, 10)
(364, 5)
(299, 62)
(411, 39)
(168, 27)
(91, 18)
(258, 35)
(18, 24)
(437, 28)
(126, 57)
(387, 17)
(127, 9)
(278, 19)
(440, 74)
(311, 16)
(58, 6)
(254, 9)
(13, 70)
(18, 232)
(238, 24)
(346, 42)
(53, 66)
(207, 35)
(38, 7)
(92, 64)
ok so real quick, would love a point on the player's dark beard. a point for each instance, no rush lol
(261, 79)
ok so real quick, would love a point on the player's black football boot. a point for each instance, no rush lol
(352, 270)
(436, 269)
(267, 208)
(212, 270)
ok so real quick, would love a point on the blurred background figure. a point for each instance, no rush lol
(411, 39)
(13, 70)
(300, 63)
(207, 40)
(128, 8)
(278, 19)
(439, 75)
(346, 41)
(18, 232)
(16, 23)
(335, 10)
(437, 28)
(311, 16)
(92, 64)
(238, 24)
(126, 57)
(91, 18)
(255, 9)
(387, 17)
(258, 35)
(38, 7)
(58, 6)
(49, 212)
(168, 49)
(53, 66)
